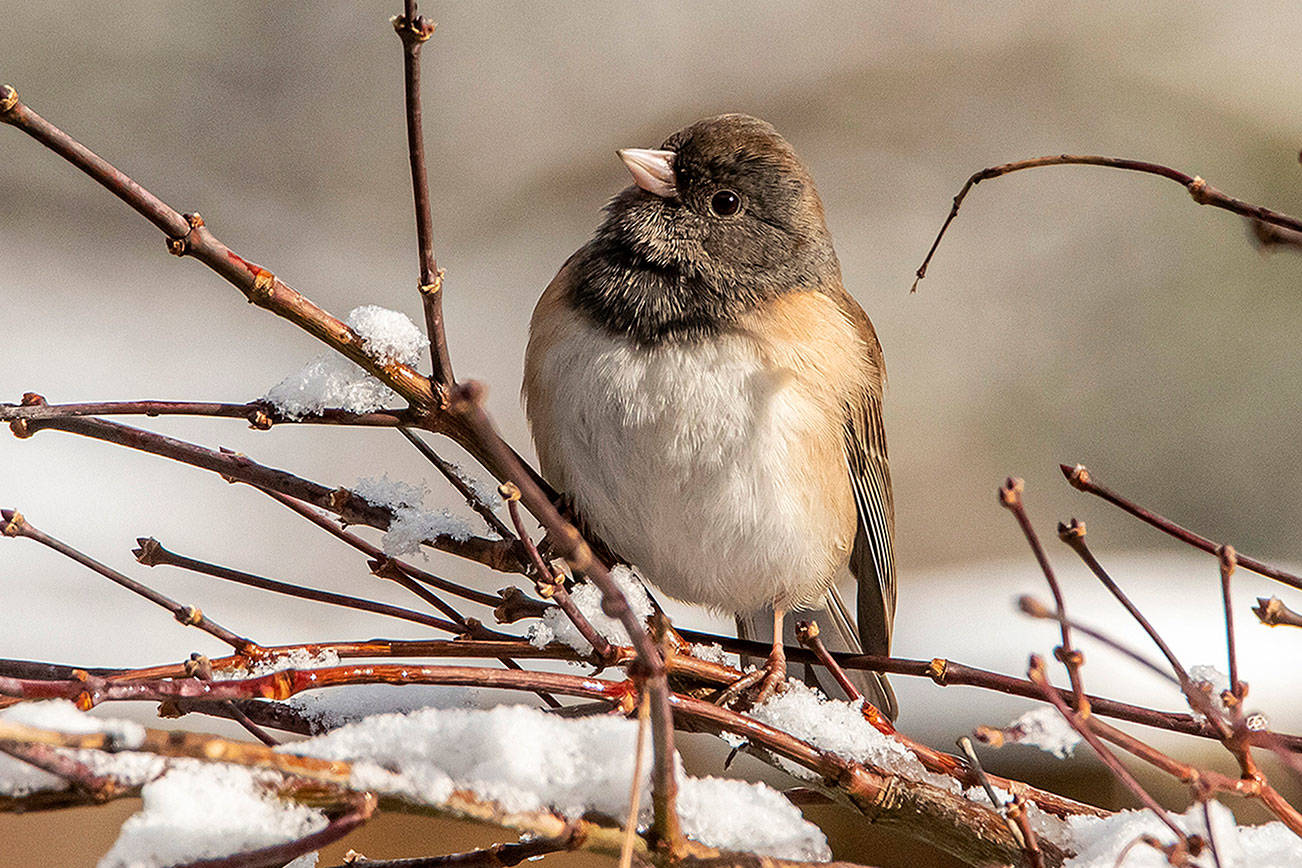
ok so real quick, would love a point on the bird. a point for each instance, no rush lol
(708, 396)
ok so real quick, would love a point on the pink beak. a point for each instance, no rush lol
(653, 171)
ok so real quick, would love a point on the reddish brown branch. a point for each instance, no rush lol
(1010, 495)
(414, 29)
(1120, 772)
(459, 482)
(1202, 192)
(259, 415)
(17, 526)
(549, 585)
(1080, 478)
(151, 553)
(1227, 559)
(1073, 534)
(496, 856)
(361, 807)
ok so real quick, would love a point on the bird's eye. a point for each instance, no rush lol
(725, 203)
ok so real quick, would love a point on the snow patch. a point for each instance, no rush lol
(527, 760)
(1098, 841)
(556, 627)
(205, 810)
(1045, 728)
(412, 524)
(331, 380)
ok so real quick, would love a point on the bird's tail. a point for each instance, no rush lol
(836, 629)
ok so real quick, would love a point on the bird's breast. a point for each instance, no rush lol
(714, 465)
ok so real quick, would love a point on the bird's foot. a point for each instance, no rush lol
(771, 678)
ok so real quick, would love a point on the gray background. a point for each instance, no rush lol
(1073, 314)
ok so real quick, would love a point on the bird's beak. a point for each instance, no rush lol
(653, 171)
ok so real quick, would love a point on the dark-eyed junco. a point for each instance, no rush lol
(701, 385)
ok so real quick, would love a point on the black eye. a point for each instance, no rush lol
(725, 203)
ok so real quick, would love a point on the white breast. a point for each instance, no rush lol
(689, 460)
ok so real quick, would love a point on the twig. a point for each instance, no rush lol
(1080, 478)
(151, 553)
(331, 527)
(548, 585)
(188, 236)
(362, 806)
(1273, 613)
(460, 483)
(1036, 609)
(1202, 192)
(96, 787)
(1037, 674)
(17, 526)
(414, 30)
(1073, 534)
(1010, 495)
(258, 414)
(807, 635)
(946, 673)
(1227, 562)
(635, 788)
(496, 856)
(974, 764)
(467, 406)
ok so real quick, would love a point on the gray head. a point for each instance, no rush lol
(720, 218)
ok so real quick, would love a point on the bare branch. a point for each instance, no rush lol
(1202, 192)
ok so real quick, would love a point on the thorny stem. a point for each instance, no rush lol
(414, 29)
(1080, 478)
(151, 553)
(549, 585)
(17, 526)
(1077, 721)
(1010, 495)
(459, 482)
(1202, 192)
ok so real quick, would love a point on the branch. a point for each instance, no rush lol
(259, 415)
(414, 30)
(1202, 192)
(17, 526)
(1080, 478)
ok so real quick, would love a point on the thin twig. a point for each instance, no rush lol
(17, 526)
(151, 553)
(453, 475)
(496, 856)
(548, 585)
(635, 788)
(1202, 192)
(1073, 534)
(1010, 496)
(974, 764)
(362, 806)
(259, 415)
(1227, 561)
(414, 29)
(1036, 672)
(1080, 478)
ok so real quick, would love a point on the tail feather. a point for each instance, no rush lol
(836, 629)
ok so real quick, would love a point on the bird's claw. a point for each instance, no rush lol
(772, 678)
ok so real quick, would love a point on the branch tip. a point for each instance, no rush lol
(1076, 474)
(8, 99)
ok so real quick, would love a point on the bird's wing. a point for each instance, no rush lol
(872, 560)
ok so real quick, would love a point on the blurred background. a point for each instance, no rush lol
(1072, 314)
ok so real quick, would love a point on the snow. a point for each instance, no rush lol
(1098, 841)
(332, 380)
(1045, 728)
(839, 727)
(712, 653)
(207, 810)
(295, 658)
(556, 627)
(19, 779)
(527, 760)
(412, 524)
(333, 707)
